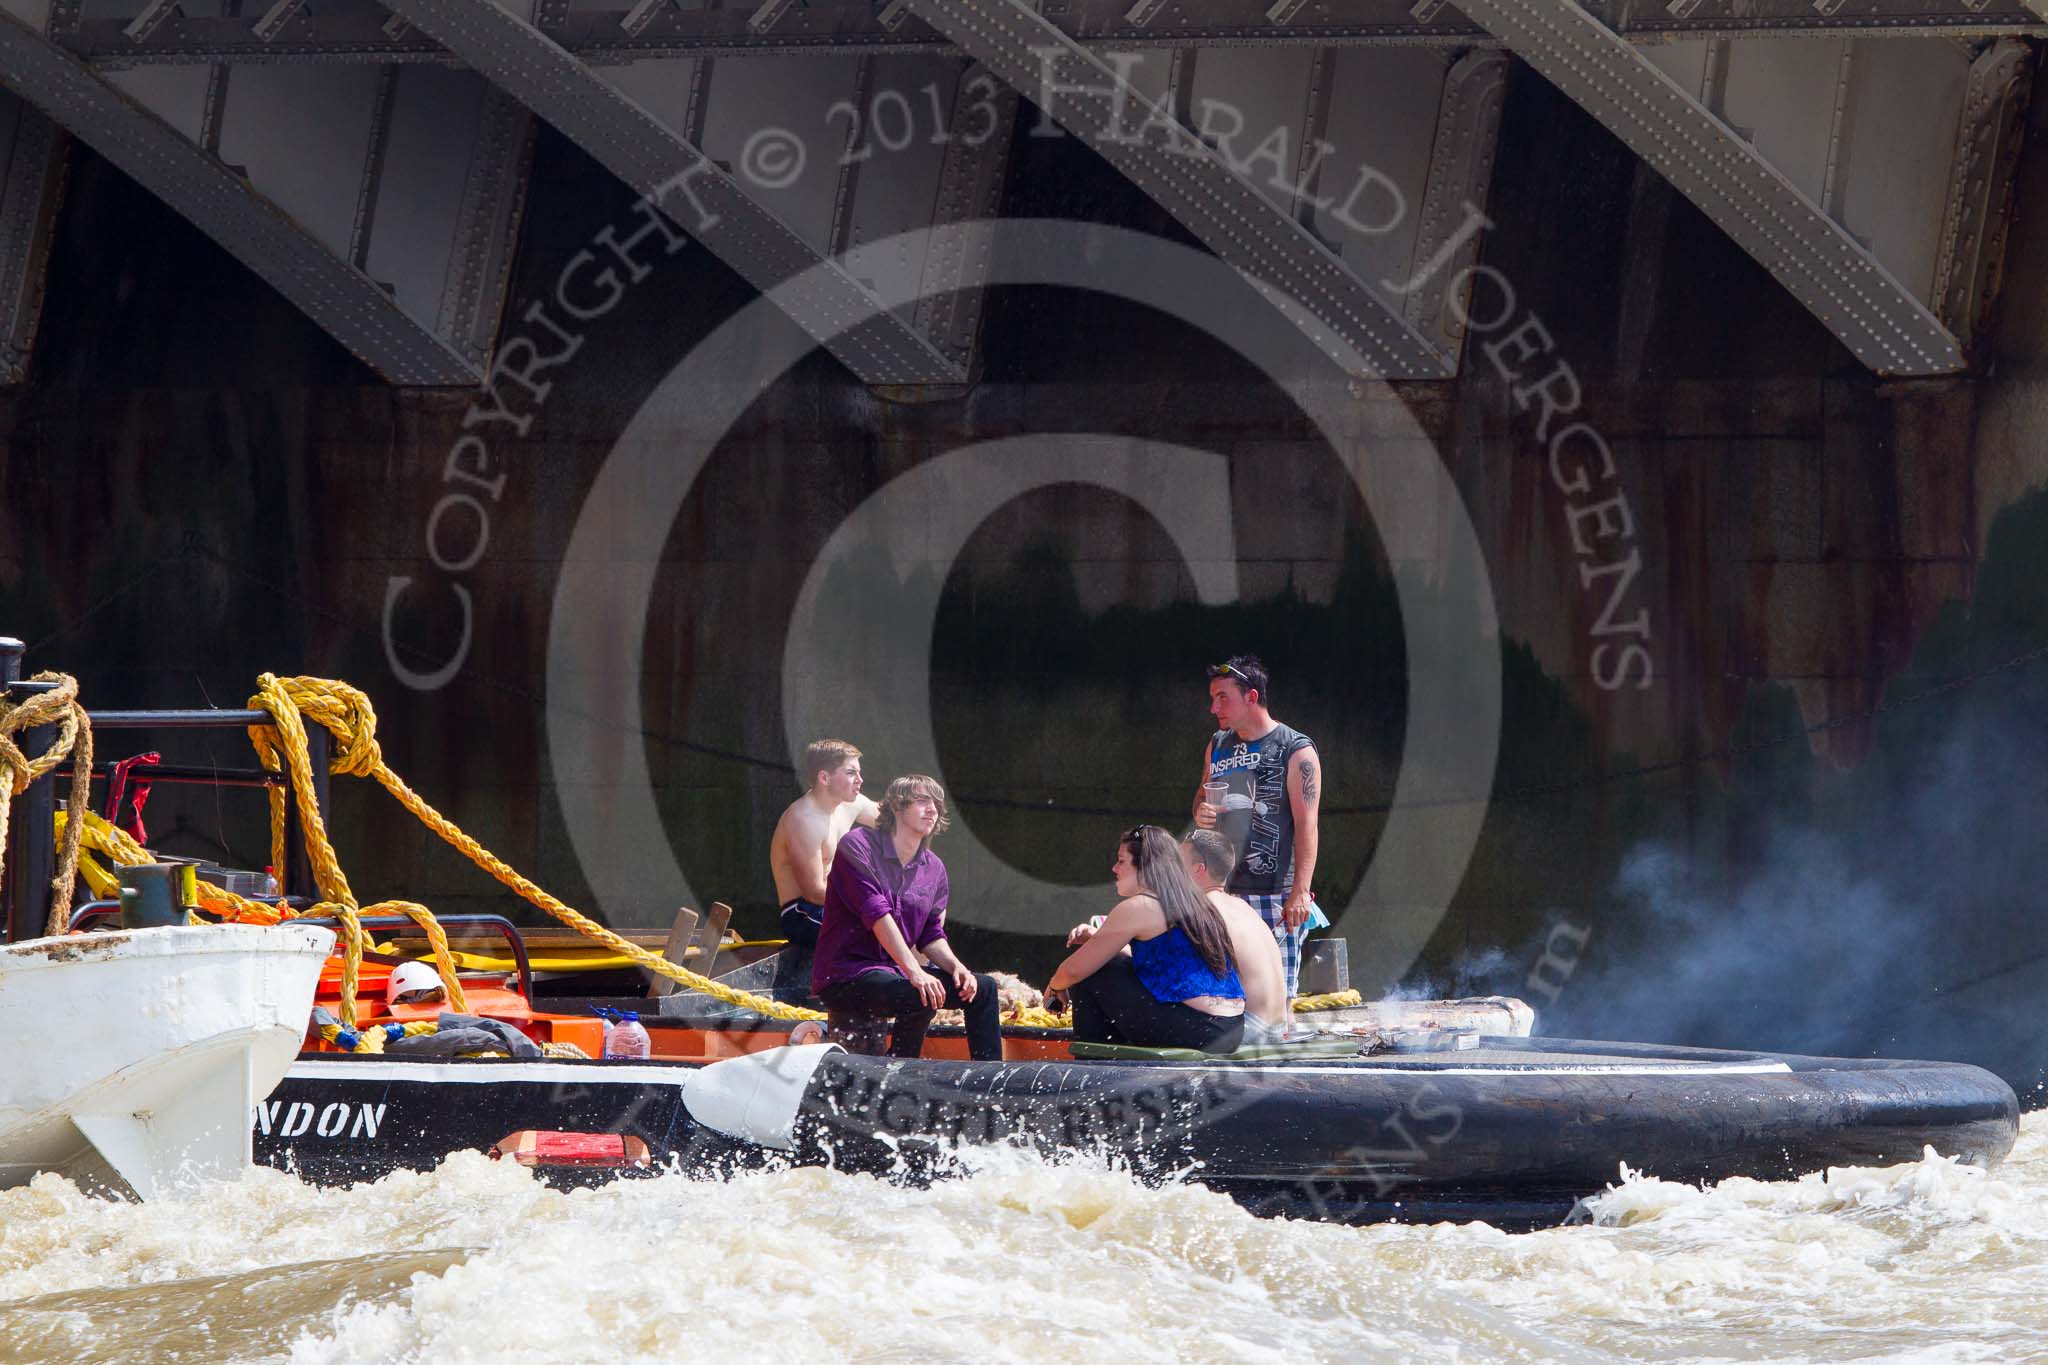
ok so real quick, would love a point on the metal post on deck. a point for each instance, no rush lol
(32, 834)
(295, 878)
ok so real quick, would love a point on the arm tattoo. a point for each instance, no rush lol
(1308, 779)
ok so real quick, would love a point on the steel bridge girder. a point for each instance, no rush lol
(341, 299)
(1839, 280)
(652, 159)
(1297, 273)
(616, 31)
(31, 188)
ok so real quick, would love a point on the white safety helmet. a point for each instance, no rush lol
(413, 983)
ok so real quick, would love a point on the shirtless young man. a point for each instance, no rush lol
(809, 832)
(1210, 860)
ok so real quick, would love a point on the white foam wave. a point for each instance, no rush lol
(478, 1262)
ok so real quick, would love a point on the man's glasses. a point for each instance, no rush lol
(1226, 671)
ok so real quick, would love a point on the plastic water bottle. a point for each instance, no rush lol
(628, 1039)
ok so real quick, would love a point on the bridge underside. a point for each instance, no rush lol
(370, 161)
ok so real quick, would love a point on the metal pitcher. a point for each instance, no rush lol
(154, 895)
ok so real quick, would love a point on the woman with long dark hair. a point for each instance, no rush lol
(1159, 972)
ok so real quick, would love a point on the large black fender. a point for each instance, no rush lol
(1352, 1133)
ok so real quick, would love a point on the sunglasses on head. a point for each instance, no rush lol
(1226, 671)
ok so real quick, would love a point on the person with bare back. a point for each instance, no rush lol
(809, 832)
(1210, 860)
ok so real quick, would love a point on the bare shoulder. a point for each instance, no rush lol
(800, 823)
(859, 811)
(1234, 907)
(1141, 914)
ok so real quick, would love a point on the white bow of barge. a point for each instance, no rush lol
(136, 1057)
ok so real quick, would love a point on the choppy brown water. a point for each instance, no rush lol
(477, 1262)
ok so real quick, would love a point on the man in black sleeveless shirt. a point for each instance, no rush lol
(1272, 792)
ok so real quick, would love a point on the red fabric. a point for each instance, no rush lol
(117, 787)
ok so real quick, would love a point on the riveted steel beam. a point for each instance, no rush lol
(702, 199)
(1284, 259)
(1460, 174)
(1812, 255)
(1977, 223)
(353, 31)
(33, 151)
(479, 268)
(1665, 20)
(346, 304)
(969, 199)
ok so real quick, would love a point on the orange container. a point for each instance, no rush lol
(587, 1034)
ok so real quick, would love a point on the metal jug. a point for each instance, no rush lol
(154, 895)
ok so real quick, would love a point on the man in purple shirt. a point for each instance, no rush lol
(885, 902)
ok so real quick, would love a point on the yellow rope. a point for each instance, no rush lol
(104, 885)
(437, 939)
(346, 713)
(355, 940)
(1036, 1016)
(351, 957)
(281, 745)
(1335, 1000)
(60, 707)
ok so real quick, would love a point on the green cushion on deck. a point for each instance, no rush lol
(1270, 1052)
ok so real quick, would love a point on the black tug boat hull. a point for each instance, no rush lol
(1515, 1134)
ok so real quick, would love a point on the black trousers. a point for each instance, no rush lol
(1113, 1006)
(861, 1010)
(798, 927)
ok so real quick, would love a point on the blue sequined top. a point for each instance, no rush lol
(1173, 971)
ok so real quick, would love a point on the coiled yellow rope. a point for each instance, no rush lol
(346, 714)
(60, 707)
